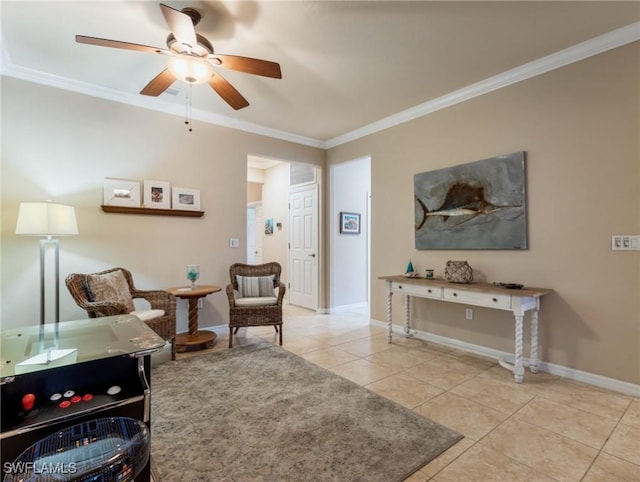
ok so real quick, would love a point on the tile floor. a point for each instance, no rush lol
(546, 429)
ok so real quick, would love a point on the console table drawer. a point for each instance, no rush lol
(490, 300)
(416, 290)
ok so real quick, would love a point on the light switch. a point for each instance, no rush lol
(234, 243)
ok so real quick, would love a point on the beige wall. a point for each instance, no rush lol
(580, 128)
(60, 145)
(254, 192)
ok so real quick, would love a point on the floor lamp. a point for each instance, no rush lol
(47, 219)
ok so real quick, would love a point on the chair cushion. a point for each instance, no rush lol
(251, 286)
(146, 315)
(256, 301)
(111, 287)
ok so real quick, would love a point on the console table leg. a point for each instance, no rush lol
(533, 362)
(389, 317)
(407, 316)
(518, 367)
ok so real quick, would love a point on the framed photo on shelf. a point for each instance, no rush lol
(121, 192)
(157, 194)
(349, 223)
(183, 198)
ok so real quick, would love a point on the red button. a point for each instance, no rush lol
(76, 399)
(28, 400)
(64, 404)
(87, 397)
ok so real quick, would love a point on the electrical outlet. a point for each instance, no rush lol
(200, 303)
(468, 314)
(625, 242)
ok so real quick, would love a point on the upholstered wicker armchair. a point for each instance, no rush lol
(85, 290)
(255, 297)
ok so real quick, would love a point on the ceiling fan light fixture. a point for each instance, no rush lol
(190, 69)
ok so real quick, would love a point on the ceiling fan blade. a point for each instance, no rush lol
(159, 84)
(228, 92)
(181, 26)
(103, 42)
(248, 65)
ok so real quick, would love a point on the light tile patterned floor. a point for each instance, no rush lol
(546, 429)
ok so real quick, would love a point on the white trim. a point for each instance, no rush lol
(608, 41)
(581, 51)
(559, 370)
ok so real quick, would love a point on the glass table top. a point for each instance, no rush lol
(41, 347)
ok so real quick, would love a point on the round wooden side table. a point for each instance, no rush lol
(197, 339)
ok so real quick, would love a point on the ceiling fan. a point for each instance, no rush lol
(191, 57)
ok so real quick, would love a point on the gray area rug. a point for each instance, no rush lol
(260, 413)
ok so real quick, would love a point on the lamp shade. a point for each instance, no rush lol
(46, 219)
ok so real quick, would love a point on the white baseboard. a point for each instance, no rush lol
(552, 368)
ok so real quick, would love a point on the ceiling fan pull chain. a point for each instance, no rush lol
(188, 109)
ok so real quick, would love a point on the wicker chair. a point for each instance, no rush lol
(164, 326)
(257, 311)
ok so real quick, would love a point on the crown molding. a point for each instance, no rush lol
(8, 68)
(611, 40)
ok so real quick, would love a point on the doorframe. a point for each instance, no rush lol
(321, 271)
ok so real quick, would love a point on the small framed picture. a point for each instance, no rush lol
(268, 226)
(183, 198)
(121, 192)
(349, 223)
(157, 194)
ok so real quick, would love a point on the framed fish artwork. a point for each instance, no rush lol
(479, 205)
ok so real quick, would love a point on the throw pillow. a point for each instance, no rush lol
(250, 286)
(111, 286)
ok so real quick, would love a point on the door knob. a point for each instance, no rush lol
(313, 255)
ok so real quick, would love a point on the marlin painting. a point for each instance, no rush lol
(462, 199)
(477, 205)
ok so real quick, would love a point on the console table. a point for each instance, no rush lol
(518, 301)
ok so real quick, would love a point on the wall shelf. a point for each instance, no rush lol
(152, 211)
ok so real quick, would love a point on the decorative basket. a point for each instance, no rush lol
(458, 272)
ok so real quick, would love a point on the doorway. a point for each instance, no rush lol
(273, 233)
(350, 192)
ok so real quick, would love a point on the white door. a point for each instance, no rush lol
(251, 235)
(259, 234)
(303, 252)
(255, 231)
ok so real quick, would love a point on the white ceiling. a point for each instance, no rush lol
(347, 66)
